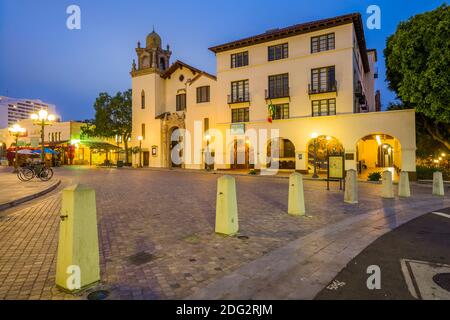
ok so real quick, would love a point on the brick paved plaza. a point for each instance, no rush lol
(156, 230)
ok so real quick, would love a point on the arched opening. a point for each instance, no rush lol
(162, 63)
(281, 154)
(321, 147)
(377, 153)
(145, 63)
(175, 148)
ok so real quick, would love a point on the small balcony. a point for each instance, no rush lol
(238, 98)
(277, 93)
(319, 88)
(362, 99)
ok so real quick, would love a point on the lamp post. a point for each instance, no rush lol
(16, 131)
(314, 135)
(207, 156)
(140, 138)
(42, 118)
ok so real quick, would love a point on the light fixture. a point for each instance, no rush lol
(328, 138)
(440, 158)
(34, 116)
(314, 135)
(443, 154)
(43, 114)
(208, 137)
(140, 138)
(378, 140)
(17, 129)
(51, 117)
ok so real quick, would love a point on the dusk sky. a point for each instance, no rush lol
(40, 58)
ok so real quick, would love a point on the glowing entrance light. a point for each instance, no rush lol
(378, 140)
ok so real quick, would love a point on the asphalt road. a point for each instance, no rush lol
(412, 260)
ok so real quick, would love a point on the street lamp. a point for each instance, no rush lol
(314, 135)
(16, 131)
(207, 155)
(42, 118)
(140, 138)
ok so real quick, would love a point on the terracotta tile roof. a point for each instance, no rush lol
(177, 64)
(302, 28)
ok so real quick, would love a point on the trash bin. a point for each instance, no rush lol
(119, 164)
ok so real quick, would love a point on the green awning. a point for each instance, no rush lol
(99, 145)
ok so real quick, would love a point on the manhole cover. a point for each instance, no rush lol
(243, 237)
(442, 280)
(140, 258)
(98, 295)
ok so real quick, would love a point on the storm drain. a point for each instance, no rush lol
(98, 295)
(242, 237)
(140, 258)
(443, 280)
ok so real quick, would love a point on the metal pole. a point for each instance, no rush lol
(140, 154)
(315, 176)
(16, 157)
(42, 141)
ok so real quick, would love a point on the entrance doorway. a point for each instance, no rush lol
(281, 154)
(240, 155)
(324, 146)
(175, 149)
(146, 158)
(377, 153)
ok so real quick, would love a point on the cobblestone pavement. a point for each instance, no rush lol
(156, 230)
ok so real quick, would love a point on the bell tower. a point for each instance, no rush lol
(152, 56)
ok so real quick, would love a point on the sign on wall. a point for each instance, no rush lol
(237, 129)
(154, 151)
(349, 156)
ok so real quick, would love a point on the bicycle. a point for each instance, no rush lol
(32, 170)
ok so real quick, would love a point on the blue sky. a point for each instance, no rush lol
(41, 58)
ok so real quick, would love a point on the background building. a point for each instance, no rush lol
(66, 138)
(13, 110)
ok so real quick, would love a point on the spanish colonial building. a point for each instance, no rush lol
(312, 82)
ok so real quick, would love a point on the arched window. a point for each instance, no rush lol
(143, 99)
(145, 62)
(162, 63)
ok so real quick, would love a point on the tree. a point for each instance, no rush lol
(417, 69)
(112, 118)
(426, 145)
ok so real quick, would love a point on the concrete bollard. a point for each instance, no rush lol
(438, 184)
(296, 201)
(78, 261)
(226, 206)
(388, 189)
(351, 187)
(403, 185)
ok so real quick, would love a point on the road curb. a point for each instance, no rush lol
(7, 205)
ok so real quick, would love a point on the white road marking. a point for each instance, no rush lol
(419, 275)
(442, 214)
